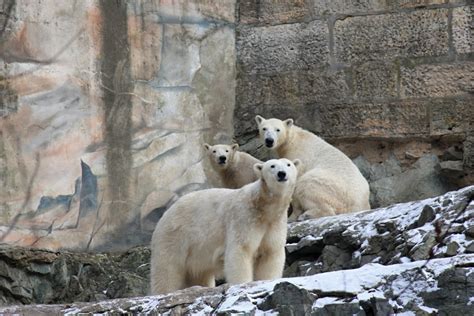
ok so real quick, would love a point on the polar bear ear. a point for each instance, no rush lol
(257, 168)
(207, 146)
(289, 122)
(298, 164)
(259, 119)
(235, 147)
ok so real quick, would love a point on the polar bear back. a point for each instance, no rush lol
(314, 152)
(327, 165)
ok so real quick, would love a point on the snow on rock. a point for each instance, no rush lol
(408, 259)
(437, 227)
(401, 288)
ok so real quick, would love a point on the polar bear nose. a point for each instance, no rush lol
(281, 175)
(222, 159)
(269, 142)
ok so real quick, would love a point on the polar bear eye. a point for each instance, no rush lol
(226, 151)
(214, 151)
(288, 165)
(264, 129)
(278, 130)
(272, 166)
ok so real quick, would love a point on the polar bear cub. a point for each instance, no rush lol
(239, 233)
(235, 168)
(329, 182)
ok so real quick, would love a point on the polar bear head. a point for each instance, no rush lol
(273, 132)
(278, 174)
(221, 155)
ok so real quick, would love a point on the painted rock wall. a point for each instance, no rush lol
(104, 109)
(388, 82)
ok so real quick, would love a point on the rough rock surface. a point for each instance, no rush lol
(432, 228)
(104, 108)
(445, 286)
(34, 276)
(440, 230)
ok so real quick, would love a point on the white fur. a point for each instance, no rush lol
(329, 182)
(237, 170)
(240, 233)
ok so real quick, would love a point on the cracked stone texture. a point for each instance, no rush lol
(116, 98)
(400, 237)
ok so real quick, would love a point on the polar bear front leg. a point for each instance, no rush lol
(269, 265)
(238, 265)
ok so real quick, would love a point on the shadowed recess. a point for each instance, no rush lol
(115, 77)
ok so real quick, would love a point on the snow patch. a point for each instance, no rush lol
(321, 302)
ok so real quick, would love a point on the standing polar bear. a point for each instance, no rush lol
(237, 233)
(329, 182)
(235, 168)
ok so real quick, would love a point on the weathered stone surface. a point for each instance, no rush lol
(394, 119)
(469, 149)
(145, 46)
(386, 236)
(463, 36)
(184, 11)
(330, 7)
(441, 80)
(387, 36)
(422, 180)
(293, 88)
(374, 289)
(116, 98)
(46, 277)
(273, 12)
(375, 81)
(282, 48)
(451, 116)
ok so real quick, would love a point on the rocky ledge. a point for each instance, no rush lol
(413, 257)
(444, 286)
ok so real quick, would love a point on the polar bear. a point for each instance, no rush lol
(238, 233)
(235, 168)
(329, 182)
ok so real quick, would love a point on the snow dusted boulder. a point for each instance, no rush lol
(444, 286)
(433, 228)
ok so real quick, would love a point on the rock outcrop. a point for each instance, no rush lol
(444, 286)
(416, 256)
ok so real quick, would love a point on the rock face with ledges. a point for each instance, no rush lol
(368, 261)
(441, 285)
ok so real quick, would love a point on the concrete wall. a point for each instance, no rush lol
(105, 106)
(389, 82)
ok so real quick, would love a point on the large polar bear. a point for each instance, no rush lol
(238, 233)
(329, 182)
(235, 168)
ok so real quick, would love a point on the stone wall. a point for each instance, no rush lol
(104, 109)
(105, 104)
(388, 82)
